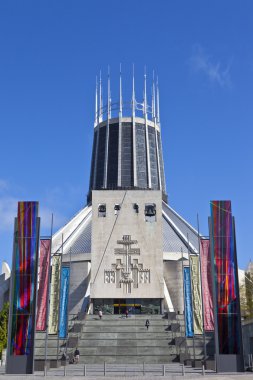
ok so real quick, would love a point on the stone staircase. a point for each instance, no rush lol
(120, 340)
(126, 340)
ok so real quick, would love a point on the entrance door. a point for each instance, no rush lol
(120, 306)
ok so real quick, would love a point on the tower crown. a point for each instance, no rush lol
(127, 147)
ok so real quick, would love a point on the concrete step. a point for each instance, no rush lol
(123, 328)
(127, 350)
(123, 335)
(130, 316)
(124, 342)
(128, 359)
(124, 322)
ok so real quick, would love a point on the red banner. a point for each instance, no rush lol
(42, 302)
(206, 276)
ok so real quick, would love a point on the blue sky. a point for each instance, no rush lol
(50, 53)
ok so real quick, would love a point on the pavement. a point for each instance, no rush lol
(94, 372)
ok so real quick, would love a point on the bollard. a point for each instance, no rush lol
(163, 369)
(84, 370)
(104, 368)
(203, 369)
(183, 369)
(65, 370)
(143, 368)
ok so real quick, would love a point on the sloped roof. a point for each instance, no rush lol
(178, 234)
(76, 234)
(188, 236)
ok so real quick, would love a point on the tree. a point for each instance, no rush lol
(4, 314)
(249, 293)
(246, 296)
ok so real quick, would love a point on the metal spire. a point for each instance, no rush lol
(133, 95)
(100, 100)
(145, 93)
(120, 92)
(158, 101)
(153, 97)
(109, 95)
(96, 103)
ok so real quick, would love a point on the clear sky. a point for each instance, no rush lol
(50, 54)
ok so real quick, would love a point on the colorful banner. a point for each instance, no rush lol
(54, 295)
(196, 295)
(24, 279)
(188, 303)
(225, 269)
(206, 276)
(44, 267)
(64, 297)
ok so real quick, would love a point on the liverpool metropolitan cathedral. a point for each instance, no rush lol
(126, 246)
(127, 257)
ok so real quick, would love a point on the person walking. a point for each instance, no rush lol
(100, 314)
(126, 313)
(76, 355)
(147, 324)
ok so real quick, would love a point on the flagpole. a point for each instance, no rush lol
(188, 249)
(48, 295)
(182, 260)
(203, 315)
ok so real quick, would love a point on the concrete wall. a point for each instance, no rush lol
(174, 281)
(79, 283)
(105, 233)
(247, 337)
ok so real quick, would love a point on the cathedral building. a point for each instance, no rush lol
(127, 246)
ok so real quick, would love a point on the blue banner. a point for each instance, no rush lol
(64, 293)
(188, 303)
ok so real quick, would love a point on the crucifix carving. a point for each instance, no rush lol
(125, 272)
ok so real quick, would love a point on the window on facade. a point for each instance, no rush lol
(102, 210)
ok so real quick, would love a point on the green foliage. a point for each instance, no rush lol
(249, 293)
(4, 314)
(246, 296)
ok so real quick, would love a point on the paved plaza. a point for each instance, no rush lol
(112, 371)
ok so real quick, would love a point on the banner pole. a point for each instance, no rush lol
(182, 259)
(188, 249)
(202, 299)
(59, 309)
(68, 304)
(48, 295)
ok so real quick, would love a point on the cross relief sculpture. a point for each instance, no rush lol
(127, 271)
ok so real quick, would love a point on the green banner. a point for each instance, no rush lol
(54, 295)
(196, 295)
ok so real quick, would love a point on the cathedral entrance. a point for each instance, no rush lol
(123, 305)
(134, 306)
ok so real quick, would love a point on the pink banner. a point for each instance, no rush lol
(206, 276)
(43, 284)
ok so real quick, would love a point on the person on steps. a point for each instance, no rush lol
(76, 355)
(147, 324)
